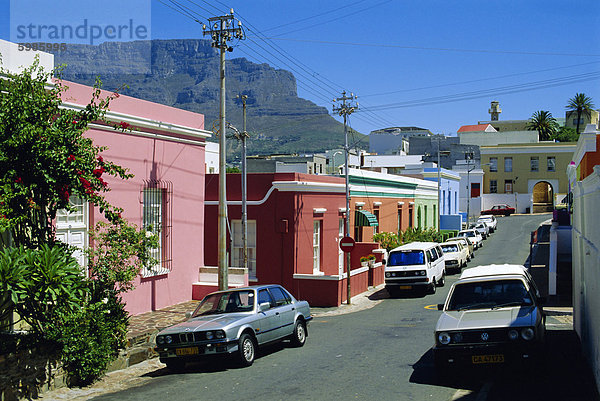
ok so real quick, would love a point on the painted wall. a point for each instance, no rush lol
(586, 269)
(164, 158)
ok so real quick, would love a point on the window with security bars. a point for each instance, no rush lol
(316, 247)
(551, 163)
(157, 203)
(534, 162)
(238, 246)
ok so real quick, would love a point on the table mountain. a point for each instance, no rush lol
(184, 73)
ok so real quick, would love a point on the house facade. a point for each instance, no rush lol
(295, 224)
(526, 176)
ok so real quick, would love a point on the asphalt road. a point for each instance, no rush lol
(382, 353)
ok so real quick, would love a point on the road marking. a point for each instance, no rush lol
(431, 307)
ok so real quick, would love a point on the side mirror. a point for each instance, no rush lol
(188, 315)
(383, 262)
(440, 306)
(264, 306)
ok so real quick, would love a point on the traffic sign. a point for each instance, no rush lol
(347, 244)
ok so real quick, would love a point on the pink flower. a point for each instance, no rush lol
(100, 159)
(71, 158)
(18, 180)
(74, 121)
(98, 172)
(86, 184)
(124, 125)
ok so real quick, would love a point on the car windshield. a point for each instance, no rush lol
(467, 234)
(489, 294)
(406, 258)
(226, 302)
(449, 248)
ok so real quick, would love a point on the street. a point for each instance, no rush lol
(382, 353)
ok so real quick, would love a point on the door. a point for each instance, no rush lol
(72, 227)
(268, 321)
(286, 312)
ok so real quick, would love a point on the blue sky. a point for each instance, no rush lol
(432, 64)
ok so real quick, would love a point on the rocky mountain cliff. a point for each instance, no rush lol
(184, 73)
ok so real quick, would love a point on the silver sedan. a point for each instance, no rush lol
(235, 322)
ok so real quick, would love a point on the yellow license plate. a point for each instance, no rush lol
(406, 287)
(186, 351)
(488, 358)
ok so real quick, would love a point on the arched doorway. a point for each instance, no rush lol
(543, 197)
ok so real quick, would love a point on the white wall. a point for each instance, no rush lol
(14, 60)
(211, 158)
(519, 201)
(586, 268)
(498, 138)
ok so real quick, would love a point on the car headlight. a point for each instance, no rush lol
(220, 334)
(423, 273)
(444, 338)
(527, 334)
(160, 340)
(168, 339)
(457, 337)
(210, 335)
(388, 274)
(513, 334)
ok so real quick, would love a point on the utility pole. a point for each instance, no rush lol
(469, 157)
(439, 178)
(222, 29)
(244, 135)
(345, 109)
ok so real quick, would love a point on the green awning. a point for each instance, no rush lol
(362, 218)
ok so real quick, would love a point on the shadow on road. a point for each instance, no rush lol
(562, 374)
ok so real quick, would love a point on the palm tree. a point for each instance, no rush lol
(581, 104)
(544, 123)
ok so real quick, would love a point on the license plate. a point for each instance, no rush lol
(406, 287)
(187, 351)
(487, 358)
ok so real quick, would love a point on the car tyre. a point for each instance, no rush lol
(433, 287)
(442, 280)
(298, 337)
(247, 350)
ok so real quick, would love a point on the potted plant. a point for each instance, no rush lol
(370, 259)
(364, 261)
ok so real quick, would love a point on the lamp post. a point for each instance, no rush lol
(469, 157)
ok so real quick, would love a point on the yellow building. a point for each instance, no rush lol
(535, 171)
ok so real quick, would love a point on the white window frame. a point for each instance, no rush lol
(152, 220)
(317, 247)
(508, 164)
(237, 254)
(534, 163)
(493, 164)
(551, 163)
(341, 253)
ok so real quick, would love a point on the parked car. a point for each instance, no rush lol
(492, 315)
(490, 221)
(473, 235)
(235, 322)
(455, 255)
(500, 210)
(482, 229)
(466, 241)
(416, 265)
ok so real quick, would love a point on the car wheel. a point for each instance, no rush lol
(432, 289)
(299, 335)
(442, 280)
(175, 365)
(247, 350)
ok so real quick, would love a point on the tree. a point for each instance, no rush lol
(581, 104)
(565, 134)
(44, 156)
(544, 123)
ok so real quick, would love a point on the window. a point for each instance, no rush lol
(508, 187)
(406, 258)
(475, 189)
(508, 164)
(410, 217)
(280, 297)
(317, 247)
(534, 163)
(493, 164)
(551, 163)
(443, 201)
(399, 220)
(264, 296)
(493, 186)
(376, 228)
(157, 220)
(238, 246)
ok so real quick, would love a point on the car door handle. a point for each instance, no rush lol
(276, 313)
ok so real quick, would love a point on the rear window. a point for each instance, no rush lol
(406, 258)
(449, 248)
(489, 294)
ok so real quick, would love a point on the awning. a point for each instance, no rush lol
(362, 218)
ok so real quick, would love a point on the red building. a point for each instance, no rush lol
(295, 222)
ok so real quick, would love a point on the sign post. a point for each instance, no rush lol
(347, 244)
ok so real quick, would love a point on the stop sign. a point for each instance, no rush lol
(347, 244)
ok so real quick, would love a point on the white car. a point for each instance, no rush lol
(482, 229)
(455, 255)
(489, 220)
(473, 235)
(413, 266)
(467, 244)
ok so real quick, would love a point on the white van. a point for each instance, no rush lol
(417, 265)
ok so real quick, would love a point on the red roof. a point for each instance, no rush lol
(473, 128)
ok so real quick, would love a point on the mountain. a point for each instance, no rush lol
(184, 73)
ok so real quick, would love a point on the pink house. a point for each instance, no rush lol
(165, 151)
